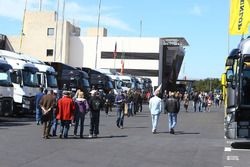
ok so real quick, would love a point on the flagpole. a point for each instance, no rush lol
(21, 38)
(97, 36)
(57, 15)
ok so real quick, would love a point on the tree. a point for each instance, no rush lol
(207, 85)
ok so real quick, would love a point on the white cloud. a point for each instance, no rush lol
(13, 9)
(89, 15)
(196, 10)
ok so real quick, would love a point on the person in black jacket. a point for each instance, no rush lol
(95, 105)
(172, 107)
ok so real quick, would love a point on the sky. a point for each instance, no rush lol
(204, 24)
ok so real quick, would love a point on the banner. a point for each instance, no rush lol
(239, 17)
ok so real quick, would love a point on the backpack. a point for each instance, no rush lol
(96, 104)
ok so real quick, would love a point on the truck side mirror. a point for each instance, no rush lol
(229, 75)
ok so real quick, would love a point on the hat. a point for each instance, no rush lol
(67, 93)
(92, 92)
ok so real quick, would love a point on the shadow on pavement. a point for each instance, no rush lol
(16, 120)
(137, 127)
(182, 133)
(70, 137)
(241, 145)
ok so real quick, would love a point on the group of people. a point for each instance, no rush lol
(67, 110)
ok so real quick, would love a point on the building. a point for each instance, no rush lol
(42, 38)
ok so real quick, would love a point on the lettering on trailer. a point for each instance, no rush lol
(241, 13)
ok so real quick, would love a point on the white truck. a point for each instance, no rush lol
(6, 89)
(25, 82)
(46, 74)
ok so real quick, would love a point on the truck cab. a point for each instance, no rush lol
(6, 89)
(24, 80)
(237, 92)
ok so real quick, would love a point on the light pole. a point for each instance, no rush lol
(97, 36)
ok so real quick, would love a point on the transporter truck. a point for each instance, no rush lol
(24, 80)
(6, 89)
(236, 91)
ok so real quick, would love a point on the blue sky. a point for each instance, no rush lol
(204, 24)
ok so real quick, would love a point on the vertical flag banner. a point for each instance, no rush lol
(115, 51)
(239, 17)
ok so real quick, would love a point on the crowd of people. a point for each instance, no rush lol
(68, 110)
(71, 109)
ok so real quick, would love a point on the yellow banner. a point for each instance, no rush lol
(239, 17)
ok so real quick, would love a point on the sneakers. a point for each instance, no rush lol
(90, 136)
(154, 131)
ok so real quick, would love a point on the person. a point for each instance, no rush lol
(82, 106)
(186, 101)
(48, 104)
(172, 107)
(108, 102)
(95, 105)
(65, 114)
(38, 97)
(129, 101)
(155, 110)
(54, 120)
(119, 101)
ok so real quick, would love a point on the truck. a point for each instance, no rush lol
(24, 80)
(129, 82)
(69, 78)
(236, 92)
(116, 82)
(98, 79)
(46, 74)
(6, 89)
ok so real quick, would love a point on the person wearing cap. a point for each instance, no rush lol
(65, 114)
(95, 105)
(155, 110)
(172, 106)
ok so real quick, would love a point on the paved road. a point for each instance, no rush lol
(198, 142)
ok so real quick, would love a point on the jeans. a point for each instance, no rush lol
(155, 118)
(172, 120)
(130, 108)
(38, 115)
(80, 117)
(120, 116)
(54, 124)
(65, 128)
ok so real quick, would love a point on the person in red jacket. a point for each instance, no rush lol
(65, 113)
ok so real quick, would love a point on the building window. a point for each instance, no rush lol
(50, 31)
(49, 52)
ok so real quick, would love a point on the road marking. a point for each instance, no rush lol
(233, 158)
(227, 149)
(246, 150)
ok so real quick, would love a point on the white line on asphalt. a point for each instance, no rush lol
(227, 149)
(233, 158)
(246, 150)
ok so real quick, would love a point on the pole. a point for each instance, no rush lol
(140, 28)
(97, 36)
(62, 31)
(40, 5)
(21, 35)
(57, 15)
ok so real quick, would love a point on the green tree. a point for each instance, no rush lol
(207, 84)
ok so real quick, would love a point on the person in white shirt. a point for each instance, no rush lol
(155, 110)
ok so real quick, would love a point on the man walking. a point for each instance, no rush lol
(47, 103)
(172, 107)
(66, 108)
(95, 105)
(155, 110)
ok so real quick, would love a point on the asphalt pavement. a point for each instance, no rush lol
(198, 142)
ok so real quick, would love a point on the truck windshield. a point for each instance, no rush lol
(29, 78)
(5, 78)
(110, 85)
(245, 96)
(118, 84)
(52, 82)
